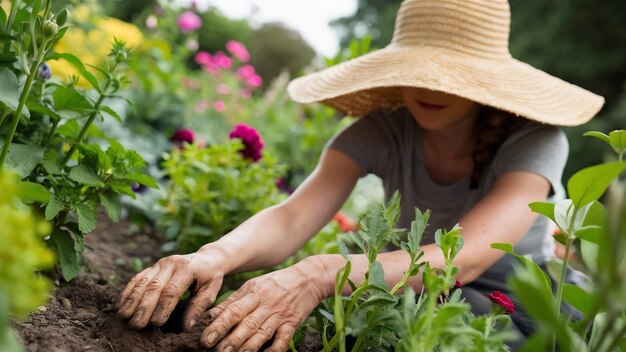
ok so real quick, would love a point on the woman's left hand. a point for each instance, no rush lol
(272, 305)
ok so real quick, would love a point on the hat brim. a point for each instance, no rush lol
(371, 82)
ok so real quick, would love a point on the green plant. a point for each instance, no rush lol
(21, 288)
(602, 234)
(212, 190)
(378, 318)
(48, 131)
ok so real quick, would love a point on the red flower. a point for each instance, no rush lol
(253, 144)
(345, 223)
(183, 135)
(502, 300)
(457, 284)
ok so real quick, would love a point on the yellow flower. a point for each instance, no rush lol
(93, 46)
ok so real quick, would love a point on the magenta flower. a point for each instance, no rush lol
(246, 71)
(222, 60)
(502, 300)
(189, 22)
(239, 50)
(219, 106)
(254, 81)
(253, 144)
(203, 58)
(184, 135)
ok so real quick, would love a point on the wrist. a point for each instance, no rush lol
(322, 271)
(220, 255)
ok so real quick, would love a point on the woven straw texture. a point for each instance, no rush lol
(454, 46)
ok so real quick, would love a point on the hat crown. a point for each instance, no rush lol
(474, 27)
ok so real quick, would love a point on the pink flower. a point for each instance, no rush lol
(253, 144)
(189, 22)
(246, 71)
(184, 135)
(152, 22)
(254, 81)
(219, 106)
(222, 60)
(203, 58)
(502, 300)
(239, 50)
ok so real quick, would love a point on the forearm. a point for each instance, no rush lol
(264, 240)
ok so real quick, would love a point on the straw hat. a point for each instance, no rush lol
(455, 46)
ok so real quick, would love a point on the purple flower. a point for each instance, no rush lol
(45, 72)
(183, 135)
(138, 188)
(189, 22)
(239, 50)
(253, 144)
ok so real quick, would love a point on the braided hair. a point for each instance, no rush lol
(493, 127)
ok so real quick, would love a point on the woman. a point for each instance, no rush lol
(451, 120)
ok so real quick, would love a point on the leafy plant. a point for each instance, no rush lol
(21, 289)
(602, 234)
(48, 131)
(214, 189)
(375, 317)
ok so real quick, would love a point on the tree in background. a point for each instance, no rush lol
(276, 48)
(579, 41)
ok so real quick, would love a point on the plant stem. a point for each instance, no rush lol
(20, 106)
(91, 119)
(617, 338)
(3, 117)
(12, 16)
(559, 290)
(53, 129)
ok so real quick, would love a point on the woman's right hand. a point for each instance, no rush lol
(151, 296)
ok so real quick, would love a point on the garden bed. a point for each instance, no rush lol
(80, 315)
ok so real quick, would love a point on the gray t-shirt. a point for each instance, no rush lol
(387, 144)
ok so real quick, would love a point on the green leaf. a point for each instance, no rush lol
(10, 90)
(618, 140)
(61, 17)
(68, 257)
(528, 263)
(24, 158)
(578, 298)
(79, 66)
(142, 179)
(601, 136)
(112, 206)
(589, 252)
(376, 275)
(590, 183)
(34, 105)
(7, 58)
(543, 208)
(86, 218)
(69, 99)
(33, 192)
(111, 112)
(54, 208)
(86, 175)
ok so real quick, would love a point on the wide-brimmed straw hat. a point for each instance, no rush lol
(460, 47)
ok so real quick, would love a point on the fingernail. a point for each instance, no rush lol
(229, 349)
(192, 322)
(210, 340)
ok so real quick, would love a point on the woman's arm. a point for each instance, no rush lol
(502, 215)
(272, 235)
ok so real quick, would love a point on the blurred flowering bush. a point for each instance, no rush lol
(212, 190)
(21, 289)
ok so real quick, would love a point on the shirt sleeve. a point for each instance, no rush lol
(366, 142)
(540, 149)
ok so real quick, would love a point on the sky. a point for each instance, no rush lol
(309, 17)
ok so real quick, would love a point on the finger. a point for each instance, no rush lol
(170, 295)
(282, 338)
(134, 294)
(229, 317)
(218, 309)
(150, 298)
(262, 335)
(245, 329)
(202, 300)
(130, 285)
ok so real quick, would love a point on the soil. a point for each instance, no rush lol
(80, 314)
